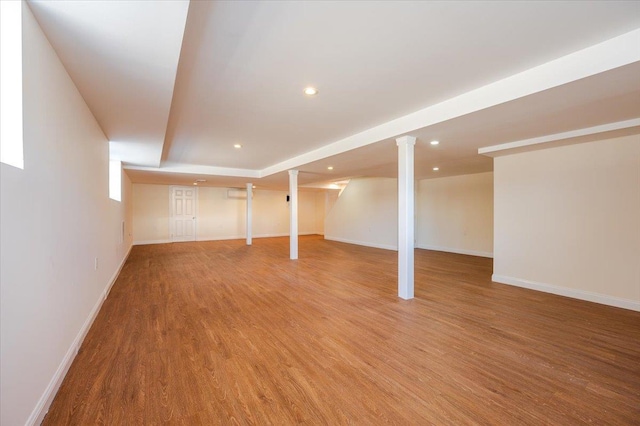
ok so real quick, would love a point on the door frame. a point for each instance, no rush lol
(171, 204)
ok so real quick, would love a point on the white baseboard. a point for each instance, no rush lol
(145, 242)
(242, 237)
(419, 246)
(42, 408)
(300, 234)
(362, 243)
(455, 250)
(223, 238)
(569, 292)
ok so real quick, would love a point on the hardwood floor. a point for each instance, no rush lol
(222, 333)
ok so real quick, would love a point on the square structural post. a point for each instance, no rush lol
(406, 203)
(293, 214)
(249, 213)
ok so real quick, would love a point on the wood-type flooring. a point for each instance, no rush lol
(218, 332)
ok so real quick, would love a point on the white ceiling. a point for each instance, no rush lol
(123, 57)
(382, 69)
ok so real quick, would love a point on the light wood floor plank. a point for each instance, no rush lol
(222, 333)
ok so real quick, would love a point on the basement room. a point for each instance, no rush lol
(355, 212)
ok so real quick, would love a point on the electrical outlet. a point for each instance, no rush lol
(96, 264)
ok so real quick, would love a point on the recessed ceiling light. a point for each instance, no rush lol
(254, 187)
(434, 142)
(435, 169)
(237, 146)
(310, 91)
(195, 183)
(330, 168)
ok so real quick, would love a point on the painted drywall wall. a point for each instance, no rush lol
(455, 214)
(452, 214)
(308, 212)
(126, 214)
(366, 213)
(56, 218)
(220, 217)
(271, 213)
(150, 213)
(567, 221)
(320, 201)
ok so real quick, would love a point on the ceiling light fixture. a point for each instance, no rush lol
(310, 91)
(237, 146)
(435, 169)
(330, 168)
(434, 142)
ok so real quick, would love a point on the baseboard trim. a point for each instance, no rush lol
(145, 242)
(42, 408)
(418, 246)
(455, 250)
(223, 238)
(361, 243)
(242, 237)
(569, 292)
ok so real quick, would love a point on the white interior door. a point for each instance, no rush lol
(183, 213)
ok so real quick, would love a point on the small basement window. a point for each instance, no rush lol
(11, 136)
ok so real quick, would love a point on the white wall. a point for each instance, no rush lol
(455, 214)
(220, 217)
(150, 213)
(123, 221)
(567, 221)
(321, 200)
(452, 214)
(56, 217)
(366, 213)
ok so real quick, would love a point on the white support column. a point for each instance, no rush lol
(249, 212)
(293, 214)
(406, 204)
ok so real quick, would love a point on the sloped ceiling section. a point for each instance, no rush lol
(174, 91)
(123, 57)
